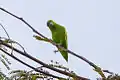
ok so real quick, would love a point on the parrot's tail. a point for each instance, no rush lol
(65, 55)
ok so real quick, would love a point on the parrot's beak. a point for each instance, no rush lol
(48, 24)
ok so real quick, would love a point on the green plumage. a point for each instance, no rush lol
(59, 35)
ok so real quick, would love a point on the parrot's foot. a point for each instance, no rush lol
(55, 51)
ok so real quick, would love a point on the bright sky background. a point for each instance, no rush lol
(92, 26)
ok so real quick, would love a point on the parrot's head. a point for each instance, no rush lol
(51, 24)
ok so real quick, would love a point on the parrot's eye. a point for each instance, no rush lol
(49, 23)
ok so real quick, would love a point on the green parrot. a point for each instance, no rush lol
(59, 35)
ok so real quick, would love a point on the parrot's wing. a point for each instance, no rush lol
(65, 41)
(65, 45)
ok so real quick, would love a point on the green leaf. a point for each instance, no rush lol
(100, 72)
(40, 38)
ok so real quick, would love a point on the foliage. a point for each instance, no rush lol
(5, 61)
(27, 75)
(3, 76)
(111, 77)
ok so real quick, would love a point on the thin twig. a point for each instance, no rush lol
(5, 30)
(6, 34)
(107, 71)
(12, 41)
(23, 21)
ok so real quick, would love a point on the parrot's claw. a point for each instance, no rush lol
(55, 51)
